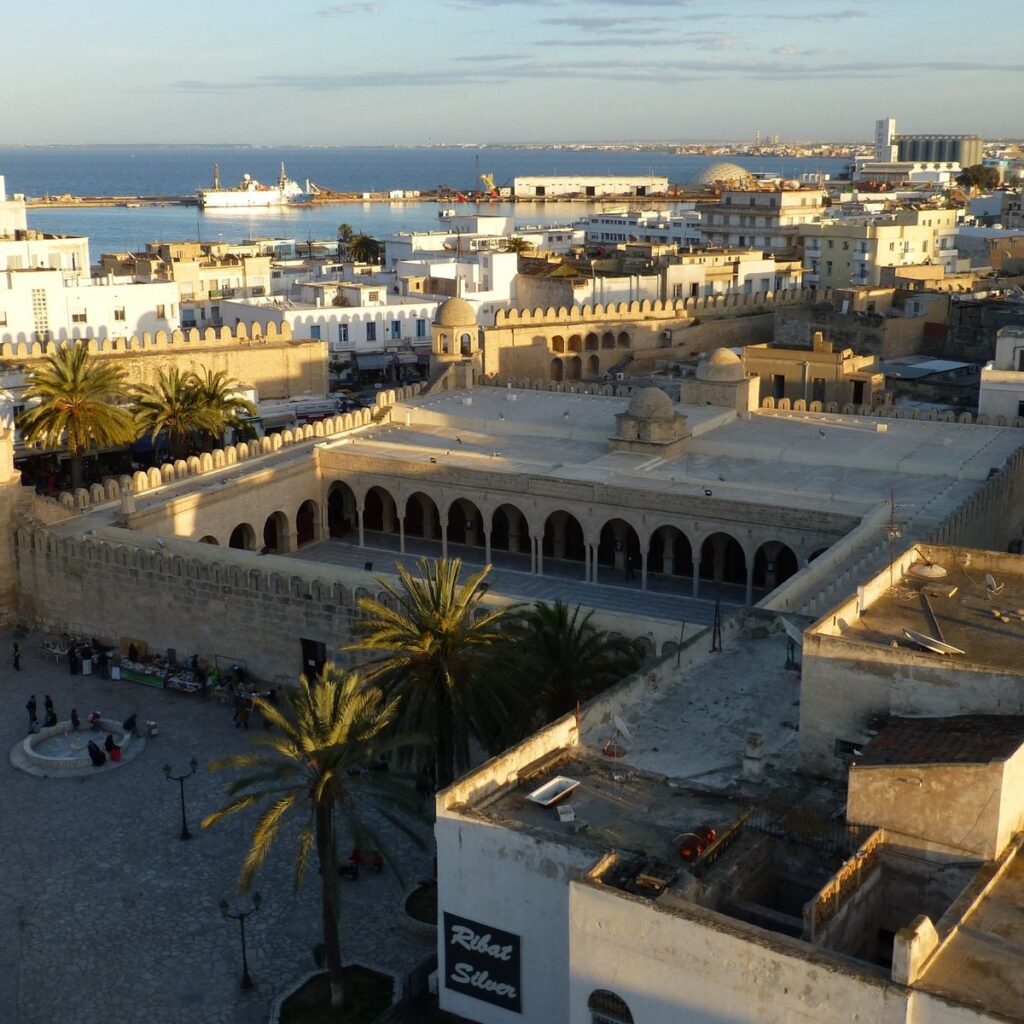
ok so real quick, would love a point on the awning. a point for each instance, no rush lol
(372, 361)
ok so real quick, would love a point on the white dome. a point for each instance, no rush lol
(722, 172)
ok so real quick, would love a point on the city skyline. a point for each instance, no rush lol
(464, 71)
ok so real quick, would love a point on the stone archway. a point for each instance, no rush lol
(341, 509)
(722, 559)
(774, 563)
(671, 554)
(557, 371)
(243, 537)
(607, 340)
(619, 548)
(307, 523)
(573, 368)
(558, 343)
(574, 344)
(275, 533)
(380, 511)
(593, 366)
(209, 539)
(465, 523)
(591, 342)
(563, 539)
(509, 530)
(422, 518)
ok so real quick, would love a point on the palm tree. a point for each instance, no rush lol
(76, 404)
(223, 404)
(517, 245)
(345, 233)
(326, 731)
(568, 656)
(171, 406)
(435, 654)
(364, 249)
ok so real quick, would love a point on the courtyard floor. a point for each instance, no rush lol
(105, 914)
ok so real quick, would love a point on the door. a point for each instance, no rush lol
(314, 657)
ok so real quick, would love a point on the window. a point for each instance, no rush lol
(3, 318)
(373, 297)
(847, 750)
(119, 313)
(161, 312)
(607, 1008)
(396, 330)
(79, 317)
(677, 291)
(343, 334)
(828, 266)
(314, 332)
(371, 331)
(421, 328)
(830, 243)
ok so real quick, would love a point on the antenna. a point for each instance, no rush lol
(617, 745)
(894, 531)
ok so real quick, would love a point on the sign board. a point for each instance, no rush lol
(482, 962)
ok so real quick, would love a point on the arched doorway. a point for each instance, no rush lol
(307, 522)
(275, 533)
(380, 513)
(590, 343)
(607, 340)
(670, 554)
(558, 343)
(623, 339)
(563, 540)
(243, 536)
(574, 344)
(341, 509)
(774, 563)
(556, 370)
(593, 366)
(465, 523)
(509, 530)
(573, 368)
(619, 548)
(421, 517)
(722, 559)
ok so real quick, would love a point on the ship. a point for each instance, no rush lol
(250, 193)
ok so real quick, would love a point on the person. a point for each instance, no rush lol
(94, 721)
(75, 720)
(48, 704)
(51, 718)
(33, 721)
(108, 743)
(129, 722)
(16, 656)
(630, 574)
(96, 755)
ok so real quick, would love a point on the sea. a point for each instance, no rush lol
(180, 170)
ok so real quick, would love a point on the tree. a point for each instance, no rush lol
(435, 654)
(171, 407)
(345, 233)
(364, 249)
(517, 245)
(310, 766)
(569, 658)
(76, 405)
(978, 176)
(222, 402)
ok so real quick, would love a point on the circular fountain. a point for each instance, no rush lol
(60, 751)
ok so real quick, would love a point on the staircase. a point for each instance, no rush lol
(621, 365)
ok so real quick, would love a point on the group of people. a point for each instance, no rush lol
(98, 757)
(50, 715)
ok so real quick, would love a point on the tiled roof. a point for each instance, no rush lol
(962, 739)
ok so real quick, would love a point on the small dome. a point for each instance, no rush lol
(651, 404)
(720, 364)
(722, 172)
(455, 313)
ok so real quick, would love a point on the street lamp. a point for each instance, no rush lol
(240, 916)
(180, 780)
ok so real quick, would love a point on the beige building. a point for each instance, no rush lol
(1001, 392)
(818, 374)
(838, 253)
(769, 219)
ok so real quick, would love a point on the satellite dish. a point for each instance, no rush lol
(991, 586)
(617, 744)
(623, 728)
(930, 643)
(793, 632)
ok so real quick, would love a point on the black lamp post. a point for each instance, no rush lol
(240, 916)
(180, 780)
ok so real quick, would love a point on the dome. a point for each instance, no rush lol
(720, 364)
(732, 174)
(455, 313)
(651, 404)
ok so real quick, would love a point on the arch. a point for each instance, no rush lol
(591, 343)
(243, 536)
(619, 547)
(607, 340)
(275, 533)
(607, 1008)
(556, 370)
(774, 563)
(574, 344)
(816, 554)
(722, 558)
(422, 518)
(209, 539)
(593, 366)
(573, 368)
(307, 523)
(622, 341)
(465, 523)
(509, 530)
(563, 538)
(670, 553)
(558, 343)
(341, 509)
(380, 510)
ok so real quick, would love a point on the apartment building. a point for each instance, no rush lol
(768, 219)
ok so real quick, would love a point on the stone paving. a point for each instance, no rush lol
(105, 914)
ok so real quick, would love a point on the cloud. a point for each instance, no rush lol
(694, 40)
(844, 15)
(342, 10)
(799, 51)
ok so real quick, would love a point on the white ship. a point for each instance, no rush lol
(249, 192)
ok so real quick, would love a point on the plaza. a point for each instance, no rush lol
(106, 914)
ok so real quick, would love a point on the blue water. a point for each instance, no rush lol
(180, 170)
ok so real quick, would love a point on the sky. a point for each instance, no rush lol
(391, 72)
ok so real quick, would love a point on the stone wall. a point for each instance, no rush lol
(866, 333)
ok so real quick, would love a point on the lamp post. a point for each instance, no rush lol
(240, 916)
(180, 780)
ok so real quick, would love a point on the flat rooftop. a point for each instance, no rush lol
(959, 739)
(988, 627)
(825, 463)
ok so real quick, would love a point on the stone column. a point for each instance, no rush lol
(593, 563)
(696, 576)
(540, 556)
(750, 582)
(359, 522)
(401, 534)
(487, 545)
(643, 568)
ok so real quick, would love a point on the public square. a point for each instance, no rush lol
(105, 913)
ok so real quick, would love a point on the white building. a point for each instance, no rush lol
(668, 227)
(768, 219)
(590, 186)
(1001, 393)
